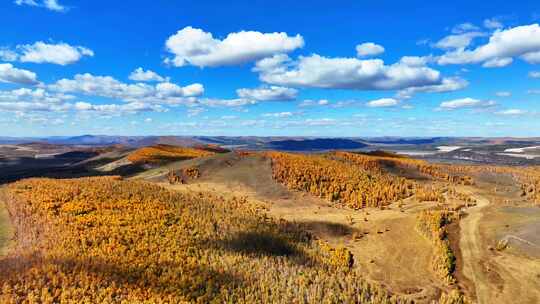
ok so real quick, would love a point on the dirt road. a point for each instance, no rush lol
(471, 250)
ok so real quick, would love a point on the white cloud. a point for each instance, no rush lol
(31, 106)
(229, 117)
(33, 100)
(534, 91)
(316, 71)
(10, 74)
(40, 100)
(311, 103)
(458, 40)
(532, 57)
(320, 122)
(492, 23)
(37, 95)
(512, 112)
(503, 94)
(447, 85)
(192, 46)
(118, 109)
(216, 102)
(416, 60)
(268, 93)
(52, 5)
(168, 89)
(503, 45)
(383, 102)
(106, 86)
(466, 103)
(369, 49)
(141, 75)
(464, 27)
(7, 55)
(195, 112)
(279, 115)
(498, 62)
(41, 52)
(534, 74)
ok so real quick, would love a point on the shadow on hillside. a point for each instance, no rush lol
(266, 244)
(58, 168)
(403, 171)
(260, 244)
(328, 228)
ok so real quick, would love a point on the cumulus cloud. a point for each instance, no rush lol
(192, 46)
(8, 55)
(498, 62)
(369, 49)
(503, 94)
(235, 102)
(534, 74)
(512, 112)
(52, 5)
(279, 115)
(447, 85)
(41, 52)
(466, 103)
(107, 86)
(271, 93)
(316, 71)
(382, 103)
(458, 40)
(320, 122)
(118, 109)
(311, 103)
(521, 41)
(168, 89)
(532, 57)
(41, 100)
(141, 75)
(24, 106)
(10, 74)
(36, 95)
(464, 27)
(492, 24)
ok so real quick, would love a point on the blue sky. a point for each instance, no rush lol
(350, 68)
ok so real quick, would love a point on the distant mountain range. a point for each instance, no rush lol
(316, 144)
(264, 143)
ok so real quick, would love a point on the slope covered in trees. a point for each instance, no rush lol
(105, 240)
(361, 180)
(338, 181)
(163, 153)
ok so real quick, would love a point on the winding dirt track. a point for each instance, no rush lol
(471, 250)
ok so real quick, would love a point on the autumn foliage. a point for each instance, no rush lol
(338, 181)
(163, 153)
(106, 240)
(432, 224)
